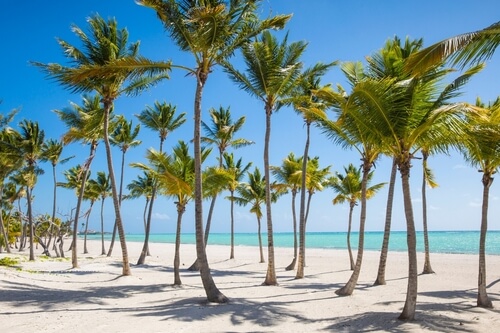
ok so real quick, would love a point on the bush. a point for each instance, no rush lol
(9, 262)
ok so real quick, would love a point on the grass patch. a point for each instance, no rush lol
(9, 262)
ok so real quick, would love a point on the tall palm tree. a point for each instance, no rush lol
(51, 152)
(349, 129)
(310, 107)
(389, 62)
(162, 118)
(83, 123)
(289, 178)
(480, 149)
(237, 170)
(427, 180)
(123, 137)
(211, 31)
(220, 134)
(348, 189)
(273, 70)
(108, 66)
(31, 147)
(102, 187)
(254, 193)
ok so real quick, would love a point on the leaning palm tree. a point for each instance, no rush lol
(51, 152)
(163, 119)
(107, 65)
(123, 137)
(348, 189)
(236, 169)
(273, 70)
(211, 31)
(91, 194)
(31, 148)
(254, 193)
(480, 149)
(289, 178)
(83, 123)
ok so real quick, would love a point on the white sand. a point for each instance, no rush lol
(48, 296)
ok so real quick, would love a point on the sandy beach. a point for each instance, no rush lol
(48, 296)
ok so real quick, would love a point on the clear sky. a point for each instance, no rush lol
(334, 30)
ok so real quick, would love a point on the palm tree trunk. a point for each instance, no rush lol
(231, 256)
(387, 228)
(411, 239)
(271, 270)
(103, 249)
(4, 233)
(295, 242)
(85, 250)
(116, 202)
(260, 241)
(302, 216)
(348, 289)
(177, 276)
(482, 296)
(194, 266)
(145, 246)
(53, 218)
(30, 220)
(213, 293)
(351, 260)
(427, 261)
(85, 169)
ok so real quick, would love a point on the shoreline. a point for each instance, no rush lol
(48, 296)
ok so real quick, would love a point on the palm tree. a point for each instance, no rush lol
(310, 108)
(368, 96)
(389, 62)
(236, 169)
(142, 186)
(105, 65)
(163, 119)
(480, 149)
(10, 161)
(273, 71)
(254, 193)
(83, 123)
(102, 187)
(348, 189)
(31, 148)
(123, 137)
(175, 176)
(51, 152)
(289, 178)
(402, 134)
(427, 180)
(211, 31)
(220, 134)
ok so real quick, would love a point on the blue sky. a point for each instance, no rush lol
(334, 30)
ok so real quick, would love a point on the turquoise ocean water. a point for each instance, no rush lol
(440, 241)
